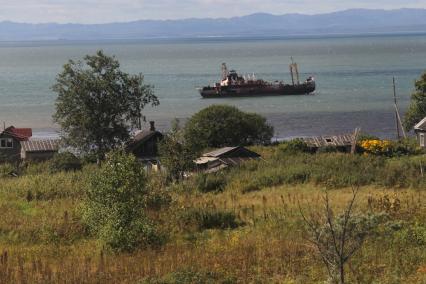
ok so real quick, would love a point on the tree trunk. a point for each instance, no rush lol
(342, 274)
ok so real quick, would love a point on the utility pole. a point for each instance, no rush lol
(397, 116)
(396, 110)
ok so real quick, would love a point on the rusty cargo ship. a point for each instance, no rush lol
(234, 85)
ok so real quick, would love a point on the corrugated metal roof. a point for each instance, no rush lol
(203, 160)
(220, 152)
(332, 140)
(40, 145)
(421, 125)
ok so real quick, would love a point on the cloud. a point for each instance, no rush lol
(101, 11)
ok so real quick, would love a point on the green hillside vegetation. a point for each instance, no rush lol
(242, 225)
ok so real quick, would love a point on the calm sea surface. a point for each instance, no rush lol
(353, 74)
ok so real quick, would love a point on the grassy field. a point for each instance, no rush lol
(239, 226)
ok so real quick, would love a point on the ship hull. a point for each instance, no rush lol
(257, 91)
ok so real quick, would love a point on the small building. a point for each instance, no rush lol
(340, 142)
(39, 150)
(10, 139)
(420, 130)
(223, 158)
(144, 146)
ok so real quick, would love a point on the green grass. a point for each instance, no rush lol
(240, 226)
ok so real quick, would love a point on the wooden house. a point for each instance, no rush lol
(38, 150)
(10, 143)
(223, 158)
(144, 145)
(341, 142)
(420, 130)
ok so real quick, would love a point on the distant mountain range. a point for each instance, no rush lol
(358, 21)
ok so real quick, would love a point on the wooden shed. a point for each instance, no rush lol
(420, 130)
(224, 157)
(343, 142)
(39, 150)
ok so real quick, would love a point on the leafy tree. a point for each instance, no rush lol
(175, 153)
(417, 108)
(98, 103)
(115, 205)
(222, 125)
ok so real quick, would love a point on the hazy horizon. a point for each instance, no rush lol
(118, 11)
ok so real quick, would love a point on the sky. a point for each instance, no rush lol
(107, 11)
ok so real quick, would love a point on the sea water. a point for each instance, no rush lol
(353, 75)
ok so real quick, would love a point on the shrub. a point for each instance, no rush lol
(377, 147)
(5, 170)
(294, 146)
(402, 172)
(208, 218)
(192, 276)
(65, 162)
(210, 182)
(114, 209)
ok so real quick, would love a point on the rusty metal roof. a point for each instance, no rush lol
(21, 134)
(40, 145)
(331, 140)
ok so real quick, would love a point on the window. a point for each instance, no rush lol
(422, 140)
(6, 143)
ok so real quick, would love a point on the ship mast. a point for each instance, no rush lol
(225, 72)
(294, 70)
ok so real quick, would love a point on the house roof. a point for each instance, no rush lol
(40, 145)
(142, 137)
(220, 152)
(421, 125)
(235, 151)
(332, 140)
(19, 133)
(228, 155)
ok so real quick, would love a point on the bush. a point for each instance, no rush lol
(114, 209)
(192, 276)
(210, 182)
(64, 162)
(207, 218)
(5, 170)
(294, 147)
(389, 148)
(403, 172)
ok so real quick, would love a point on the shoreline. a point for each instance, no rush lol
(296, 125)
